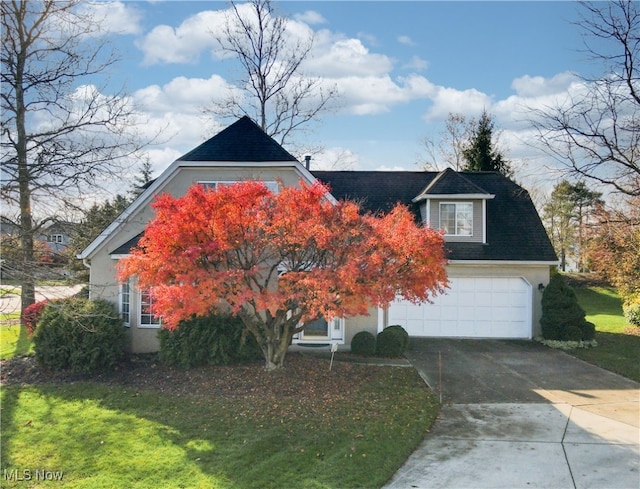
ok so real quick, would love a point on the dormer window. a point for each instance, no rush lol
(456, 218)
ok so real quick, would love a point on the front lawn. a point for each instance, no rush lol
(618, 347)
(14, 340)
(214, 427)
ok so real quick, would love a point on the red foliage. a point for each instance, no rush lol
(614, 247)
(285, 258)
(31, 315)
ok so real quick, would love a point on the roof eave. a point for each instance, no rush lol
(505, 262)
(453, 196)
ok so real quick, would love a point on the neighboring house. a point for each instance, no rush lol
(499, 253)
(57, 234)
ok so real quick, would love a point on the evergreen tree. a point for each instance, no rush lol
(563, 318)
(480, 153)
(94, 221)
(565, 215)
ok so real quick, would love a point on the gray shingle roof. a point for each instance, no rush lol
(243, 140)
(450, 182)
(514, 229)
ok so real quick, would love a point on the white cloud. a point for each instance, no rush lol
(378, 94)
(115, 17)
(390, 168)
(416, 63)
(406, 40)
(182, 44)
(536, 86)
(334, 56)
(335, 158)
(310, 17)
(189, 95)
(446, 100)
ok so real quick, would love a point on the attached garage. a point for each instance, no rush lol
(473, 307)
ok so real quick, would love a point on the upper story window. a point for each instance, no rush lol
(456, 218)
(215, 184)
(56, 238)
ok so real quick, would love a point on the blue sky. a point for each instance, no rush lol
(401, 68)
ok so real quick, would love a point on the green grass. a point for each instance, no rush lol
(8, 290)
(617, 350)
(14, 341)
(113, 436)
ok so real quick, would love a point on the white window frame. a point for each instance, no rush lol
(141, 305)
(456, 205)
(124, 302)
(214, 184)
(56, 238)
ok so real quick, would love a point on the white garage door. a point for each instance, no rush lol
(474, 307)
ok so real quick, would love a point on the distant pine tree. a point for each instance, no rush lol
(480, 155)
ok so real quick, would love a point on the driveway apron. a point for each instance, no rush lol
(517, 414)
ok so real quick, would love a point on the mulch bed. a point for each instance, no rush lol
(302, 372)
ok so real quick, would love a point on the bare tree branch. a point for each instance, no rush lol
(276, 94)
(595, 133)
(60, 133)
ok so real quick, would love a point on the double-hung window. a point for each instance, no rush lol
(456, 218)
(125, 302)
(147, 319)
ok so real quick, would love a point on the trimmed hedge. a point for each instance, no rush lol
(79, 335)
(562, 317)
(391, 342)
(402, 332)
(363, 343)
(215, 339)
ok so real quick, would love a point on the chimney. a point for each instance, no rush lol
(307, 162)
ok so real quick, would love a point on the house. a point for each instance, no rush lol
(499, 253)
(57, 234)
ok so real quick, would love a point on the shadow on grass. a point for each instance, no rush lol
(120, 436)
(600, 300)
(15, 341)
(617, 352)
(23, 343)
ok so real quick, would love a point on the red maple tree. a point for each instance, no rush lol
(281, 260)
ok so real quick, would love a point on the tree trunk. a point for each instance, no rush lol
(276, 352)
(26, 274)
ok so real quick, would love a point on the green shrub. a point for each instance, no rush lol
(390, 343)
(588, 331)
(562, 316)
(403, 332)
(79, 335)
(363, 343)
(573, 333)
(215, 339)
(631, 309)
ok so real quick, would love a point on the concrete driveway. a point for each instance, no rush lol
(10, 303)
(519, 415)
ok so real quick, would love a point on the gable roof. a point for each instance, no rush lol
(241, 141)
(449, 182)
(514, 229)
